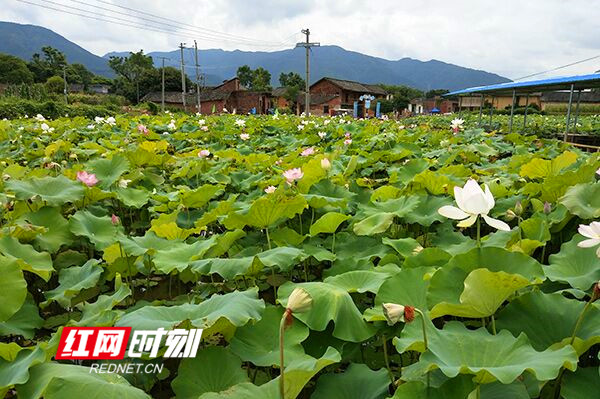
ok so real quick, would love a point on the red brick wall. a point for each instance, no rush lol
(244, 101)
(232, 85)
(325, 87)
(207, 106)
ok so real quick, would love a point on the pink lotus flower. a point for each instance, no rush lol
(115, 219)
(292, 175)
(347, 135)
(142, 129)
(270, 189)
(348, 141)
(89, 179)
(308, 151)
(203, 153)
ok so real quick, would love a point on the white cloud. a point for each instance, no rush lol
(511, 37)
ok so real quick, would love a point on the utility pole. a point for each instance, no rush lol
(65, 88)
(181, 47)
(162, 98)
(307, 45)
(197, 78)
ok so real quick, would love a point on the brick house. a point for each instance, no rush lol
(279, 100)
(348, 92)
(229, 95)
(322, 104)
(427, 105)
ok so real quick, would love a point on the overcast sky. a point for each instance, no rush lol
(510, 37)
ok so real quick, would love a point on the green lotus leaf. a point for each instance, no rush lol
(580, 267)
(57, 231)
(132, 197)
(180, 255)
(427, 212)
(200, 196)
(259, 342)
(374, 224)
(502, 357)
(24, 322)
(213, 369)
(238, 308)
(13, 288)
(357, 382)
(404, 246)
(407, 287)
(359, 280)
(355, 253)
(284, 258)
(9, 351)
(540, 168)
(267, 210)
(536, 229)
(98, 229)
(297, 375)
(549, 319)
(63, 381)
(580, 384)
(484, 291)
(224, 243)
(326, 193)
(583, 200)
(456, 388)
(431, 256)
(406, 172)
(101, 312)
(385, 193)
(72, 280)
(498, 259)
(108, 171)
(330, 303)
(328, 223)
(17, 371)
(149, 243)
(55, 191)
(26, 257)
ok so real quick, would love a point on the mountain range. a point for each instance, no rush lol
(217, 65)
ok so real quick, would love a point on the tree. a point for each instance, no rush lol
(50, 64)
(436, 92)
(78, 73)
(258, 79)
(129, 70)
(151, 80)
(13, 70)
(293, 84)
(245, 75)
(400, 97)
(55, 84)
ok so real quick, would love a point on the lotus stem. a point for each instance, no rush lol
(281, 364)
(268, 238)
(386, 358)
(571, 341)
(423, 326)
(478, 232)
(333, 244)
(493, 325)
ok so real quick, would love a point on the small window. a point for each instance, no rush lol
(326, 109)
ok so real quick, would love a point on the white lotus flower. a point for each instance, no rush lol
(592, 232)
(244, 136)
(322, 135)
(123, 183)
(240, 122)
(270, 189)
(98, 119)
(40, 117)
(203, 153)
(325, 164)
(472, 202)
(456, 124)
(111, 120)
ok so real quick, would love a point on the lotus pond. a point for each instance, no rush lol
(394, 259)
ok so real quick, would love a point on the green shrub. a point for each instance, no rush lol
(12, 109)
(55, 84)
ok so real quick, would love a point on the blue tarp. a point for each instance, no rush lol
(579, 82)
(435, 111)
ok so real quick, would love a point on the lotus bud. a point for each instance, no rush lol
(547, 207)
(596, 292)
(299, 301)
(510, 215)
(325, 164)
(394, 313)
(115, 219)
(518, 208)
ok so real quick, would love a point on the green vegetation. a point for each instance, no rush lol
(331, 241)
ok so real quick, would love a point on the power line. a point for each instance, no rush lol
(177, 26)
(186, 24)
(121, 21)
(557, 68)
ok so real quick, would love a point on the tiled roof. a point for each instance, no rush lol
(317, 98)
(357, 87)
